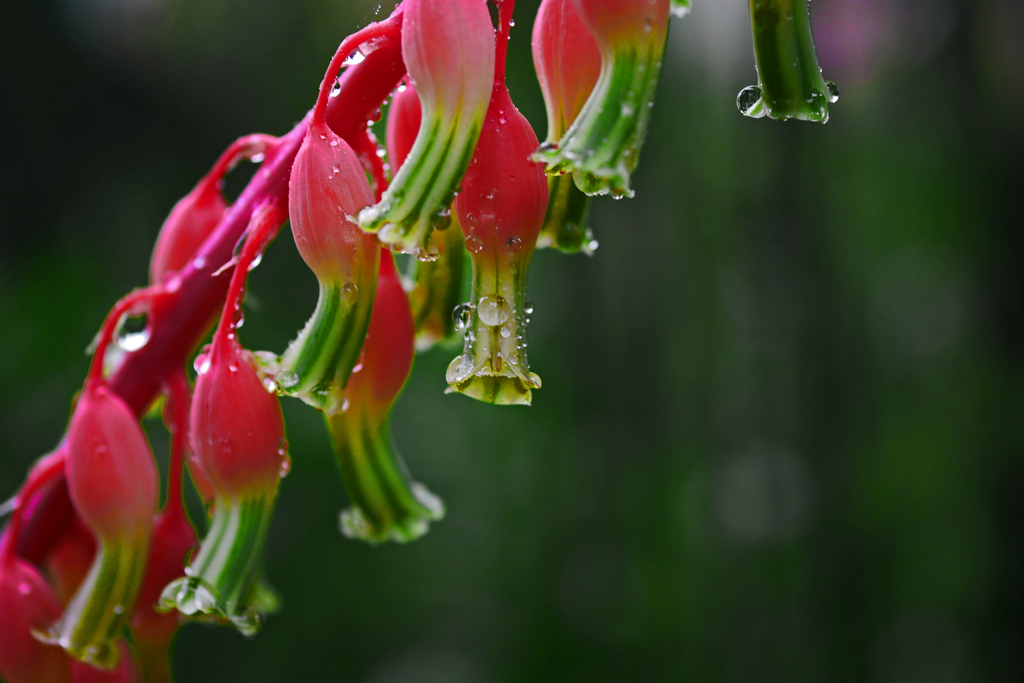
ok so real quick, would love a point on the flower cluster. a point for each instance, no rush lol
(95, 575)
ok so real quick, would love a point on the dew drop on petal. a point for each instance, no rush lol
(474, 244)
(493, 310)
(349, 293)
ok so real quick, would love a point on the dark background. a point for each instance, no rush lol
(780, 432)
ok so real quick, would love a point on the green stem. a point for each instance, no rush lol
(790, 84)
(565, 224)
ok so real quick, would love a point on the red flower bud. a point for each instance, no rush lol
(236, 427)
(27, 604)
(112, 481)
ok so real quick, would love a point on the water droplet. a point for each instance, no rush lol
(270, 385)
(255, 262)
(528, 308)
(133, 333)
(358, 366)
(356, 57)
(833, 92)
(459, 370)
(749, 102)
(493, 310)
(514, 244)
(349, 293)
(24, 588)
(335, 89)
(257, 158)
(199, 262)
(202, 363)
(474, 244)
(461, 315)
(344, 405)
(118, 609)
(506, 332)
(287, 379)
(334, 143)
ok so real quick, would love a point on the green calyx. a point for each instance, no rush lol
(386, 504)
(790, 84)
(419, 198)
(602, 146)
(222, 579)
(98, 613)
(565, 223)
(437, 286)
(493, 366)
(316, 366)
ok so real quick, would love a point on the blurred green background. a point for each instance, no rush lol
(779, 437)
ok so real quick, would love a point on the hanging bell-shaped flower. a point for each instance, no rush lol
(790, 84)
(328, 187)
(437, 283)
(114, 486)
(568, 63)
(386, 504)
(501, 208)
(448, 49)
(237, 435)
(602, 146)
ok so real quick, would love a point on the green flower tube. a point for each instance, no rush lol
(790, 85)
(602, 146)
(386, 504)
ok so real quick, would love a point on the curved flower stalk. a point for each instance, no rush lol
(568, 63)
(602, 146)
(328, 186)
(501, 209)
(386, 505)
(437, 284)
(448, 49)
(196, 214)
(790, 85)
(237, 434)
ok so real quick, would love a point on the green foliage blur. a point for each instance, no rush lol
(780, 432)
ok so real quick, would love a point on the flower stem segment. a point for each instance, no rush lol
(790, 85)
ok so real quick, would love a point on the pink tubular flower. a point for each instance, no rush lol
(448, 49)
(386, 506)
(113, 483)
(328, 186)
(602, 146)
(236, 431)
(501, 208)
(568, 63)
(437, 283)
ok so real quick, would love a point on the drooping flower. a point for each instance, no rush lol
(328, 186)
(386, 505)
(437, 283)
(501, 208)
(568, 63)
(448, 49)
(790, 84)
(236, 431)
(113, 484)
(602, 146)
